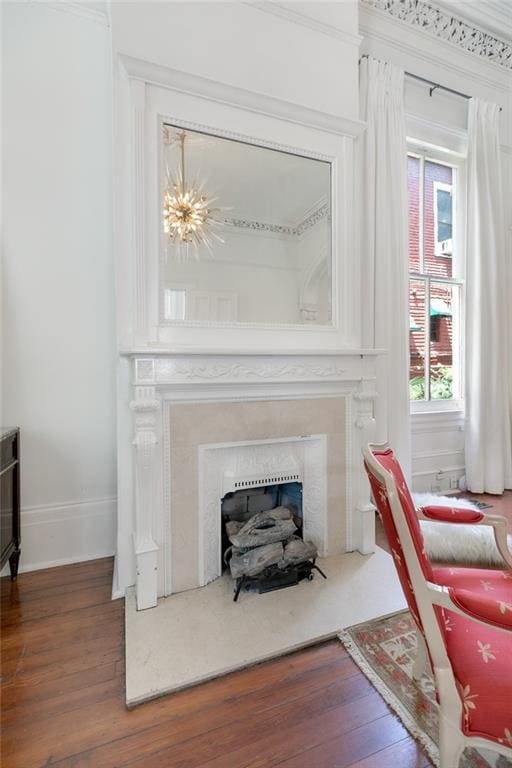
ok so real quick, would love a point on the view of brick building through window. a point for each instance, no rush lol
(433, 297)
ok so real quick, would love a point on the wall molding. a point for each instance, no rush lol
(429, 422)
(233, 96)
(445, 26)
(67, 532)
(284, 12)
(424, 455)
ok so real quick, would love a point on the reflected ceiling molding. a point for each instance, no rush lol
(312, 219)
(444, 25)
(279, 229)
(261, 226)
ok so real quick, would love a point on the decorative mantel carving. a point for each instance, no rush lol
(145, 407)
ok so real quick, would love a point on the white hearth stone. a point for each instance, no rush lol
(194, 636)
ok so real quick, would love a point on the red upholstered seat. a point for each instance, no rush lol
(481, 659)
(480, 655)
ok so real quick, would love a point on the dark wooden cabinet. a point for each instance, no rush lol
(10, 499)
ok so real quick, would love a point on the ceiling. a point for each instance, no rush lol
(252, 183)
(493, 16)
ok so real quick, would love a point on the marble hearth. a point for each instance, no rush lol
(201, 420)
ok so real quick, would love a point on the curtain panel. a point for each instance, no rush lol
(488, 337)
(384, 247)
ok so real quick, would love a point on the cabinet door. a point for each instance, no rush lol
(7, 511)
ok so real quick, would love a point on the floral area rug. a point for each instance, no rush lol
(385, 649)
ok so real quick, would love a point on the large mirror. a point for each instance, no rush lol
(246, 232)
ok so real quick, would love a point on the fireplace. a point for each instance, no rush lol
(228, 467)
(249, 500)
(205, 426)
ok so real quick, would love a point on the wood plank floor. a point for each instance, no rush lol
(62, 665)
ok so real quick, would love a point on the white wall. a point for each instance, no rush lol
(284, 52)
(438, 438)
(58, 365)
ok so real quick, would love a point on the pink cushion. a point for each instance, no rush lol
(481, 656)
(452, 514)
(483, 592)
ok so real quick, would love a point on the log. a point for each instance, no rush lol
(264, 528)
(298, 551)
(254, 561)
(232, 527)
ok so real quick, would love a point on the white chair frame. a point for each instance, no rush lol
(452, 740)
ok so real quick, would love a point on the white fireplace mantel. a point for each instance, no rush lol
(156, 379)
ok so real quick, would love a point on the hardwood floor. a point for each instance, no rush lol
(63, 699)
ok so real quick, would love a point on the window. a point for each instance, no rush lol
(443, 221)
(435, 186)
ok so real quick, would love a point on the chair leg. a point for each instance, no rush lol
(451, 744)
(421, 661)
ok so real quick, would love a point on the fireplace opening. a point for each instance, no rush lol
(262, 537)
(241, 505)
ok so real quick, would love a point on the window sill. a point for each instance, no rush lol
(437, 407)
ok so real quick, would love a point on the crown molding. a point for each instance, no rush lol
(195, 85)
(446, 27)
(284, 12)
(491, 16)
(83, 10)
(379, 25)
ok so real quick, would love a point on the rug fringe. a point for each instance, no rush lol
(390, 699)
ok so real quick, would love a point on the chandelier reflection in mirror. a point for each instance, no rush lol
(189, 216)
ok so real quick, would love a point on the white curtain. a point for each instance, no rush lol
(384, 254)
(488, 424)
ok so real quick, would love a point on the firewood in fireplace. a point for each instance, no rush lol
(263, 528)
(254, 561)
(297, 550)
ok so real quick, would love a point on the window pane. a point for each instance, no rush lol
(413, 190)
(443, 314)
(438, 216)
(417, 339)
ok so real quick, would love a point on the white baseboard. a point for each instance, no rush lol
(60, 534)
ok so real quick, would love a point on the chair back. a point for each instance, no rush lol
(389, 487)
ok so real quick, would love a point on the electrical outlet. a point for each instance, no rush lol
(454, 483)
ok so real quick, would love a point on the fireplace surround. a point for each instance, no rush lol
(203, 423)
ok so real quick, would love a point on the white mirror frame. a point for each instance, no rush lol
(151, 95)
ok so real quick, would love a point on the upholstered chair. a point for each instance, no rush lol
(463, 617)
